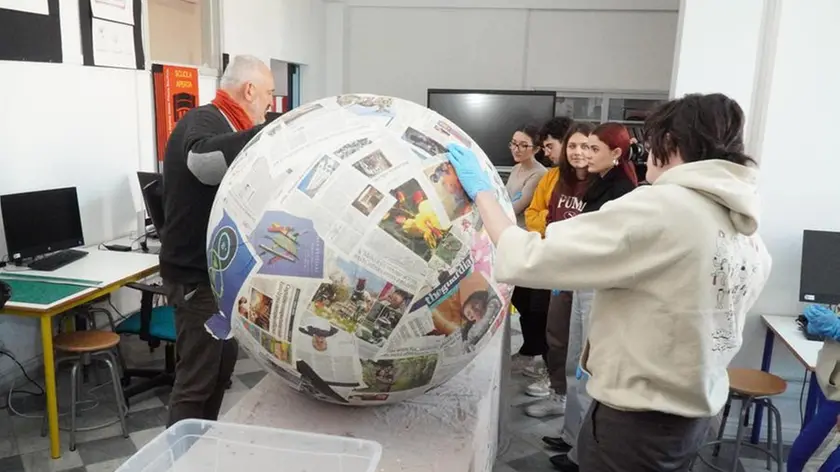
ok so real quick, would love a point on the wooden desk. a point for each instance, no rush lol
(112, 270)
(786, 329)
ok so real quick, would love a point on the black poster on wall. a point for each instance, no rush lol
(32, 37)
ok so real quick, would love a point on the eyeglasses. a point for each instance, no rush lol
(519, 146)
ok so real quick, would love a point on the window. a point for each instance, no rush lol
(579, 108)
(631, 110)
(184, 32)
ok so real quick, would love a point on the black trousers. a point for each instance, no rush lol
(640, 441)
(557, 339)
(205, 364)
(532, 305)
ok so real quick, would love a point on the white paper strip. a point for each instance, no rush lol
(30, 6)
(121, 11)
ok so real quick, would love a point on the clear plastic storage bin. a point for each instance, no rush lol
(209, 446)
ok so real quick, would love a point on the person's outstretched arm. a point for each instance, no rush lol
(577, 253)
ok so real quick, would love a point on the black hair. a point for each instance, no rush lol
(556, 128)
(700, 127)
(532, 131)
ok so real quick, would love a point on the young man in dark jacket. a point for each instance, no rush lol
(202, 146)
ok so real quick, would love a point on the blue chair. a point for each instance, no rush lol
(153, 324)
(156, 326)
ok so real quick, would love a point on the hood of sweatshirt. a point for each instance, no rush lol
(731, 185)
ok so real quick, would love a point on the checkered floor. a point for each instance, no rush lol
(22, 449)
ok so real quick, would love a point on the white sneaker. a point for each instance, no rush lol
(536, 369)
(540, 389)
(553, 405)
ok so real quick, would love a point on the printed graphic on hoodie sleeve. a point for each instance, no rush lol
(734, 264)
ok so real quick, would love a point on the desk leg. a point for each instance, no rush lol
(49, 380)
(811, 403)
(765, 366)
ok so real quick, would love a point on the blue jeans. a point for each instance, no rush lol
(577, 400)
(817, 444)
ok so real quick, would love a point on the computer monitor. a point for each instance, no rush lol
(490, 117)
(41, 222)
(145, 178)
(819, 280)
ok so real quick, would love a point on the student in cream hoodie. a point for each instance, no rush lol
(675, 265)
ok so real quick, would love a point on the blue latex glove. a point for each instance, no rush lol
(556, 292)
(469, 171)
(822, 322)
(580, 374)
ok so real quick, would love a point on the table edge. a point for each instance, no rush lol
(790, 348)
(78, 299)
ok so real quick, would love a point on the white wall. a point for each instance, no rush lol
(718, 52)
(71, 125)
(802, 106)
(600, 50)
(403, 48)
(286, 30)
(790, 93)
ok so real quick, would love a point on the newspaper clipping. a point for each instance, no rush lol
(346, 254)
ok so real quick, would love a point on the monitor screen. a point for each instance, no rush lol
(37, 223)
(145, 178)
(491, 117)
(819, 280)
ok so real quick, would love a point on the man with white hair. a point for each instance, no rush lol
(202, 146)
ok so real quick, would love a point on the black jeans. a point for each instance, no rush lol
(557, 339)
(532, 305)
(205, 364)
(638, 441)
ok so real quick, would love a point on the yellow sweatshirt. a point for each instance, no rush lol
(538, 209)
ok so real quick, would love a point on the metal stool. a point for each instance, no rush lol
(82, 348)
(751, 387)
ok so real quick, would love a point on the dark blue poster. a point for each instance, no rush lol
(229, 262)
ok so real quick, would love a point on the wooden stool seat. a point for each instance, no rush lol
(755, 383)
(81, 342)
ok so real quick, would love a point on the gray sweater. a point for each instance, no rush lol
(520, 186)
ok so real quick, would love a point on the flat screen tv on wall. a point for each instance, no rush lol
(491, 116)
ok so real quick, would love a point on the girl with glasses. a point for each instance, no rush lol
(531, 304)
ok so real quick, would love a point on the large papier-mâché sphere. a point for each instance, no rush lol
(346, 257)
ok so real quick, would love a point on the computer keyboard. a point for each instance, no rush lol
(57, 260)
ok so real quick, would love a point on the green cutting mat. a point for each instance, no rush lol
(43, 290)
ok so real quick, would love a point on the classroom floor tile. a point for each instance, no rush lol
(22, 449)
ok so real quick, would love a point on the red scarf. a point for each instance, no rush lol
(233, 111)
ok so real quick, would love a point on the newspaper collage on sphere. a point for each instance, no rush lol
(346, 257)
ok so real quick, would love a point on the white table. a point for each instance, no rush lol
(451, 429)
(787, 331)
(108, 271)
